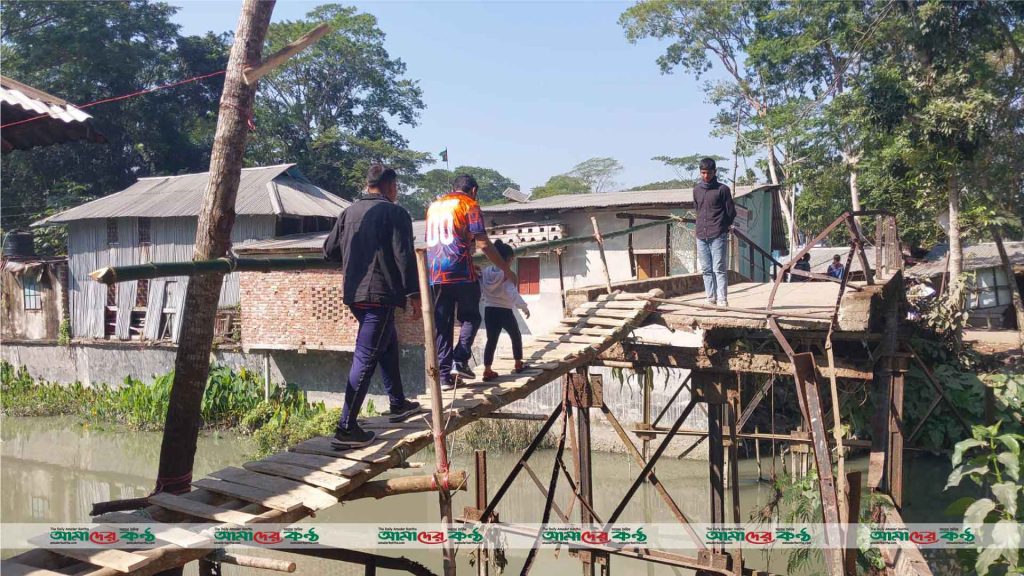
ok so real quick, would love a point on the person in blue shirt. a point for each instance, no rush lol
(836, 268)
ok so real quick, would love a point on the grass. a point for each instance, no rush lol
(501, 435)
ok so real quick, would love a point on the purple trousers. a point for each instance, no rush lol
(376, 342)
(453, 301)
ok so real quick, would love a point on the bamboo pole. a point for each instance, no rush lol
(252, 561)
(405, 485)
(600, 247)
(253, 73)
(112, 274)
(436, 408)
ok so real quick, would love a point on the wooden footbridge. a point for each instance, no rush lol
(816, 331)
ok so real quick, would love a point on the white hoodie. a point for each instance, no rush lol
(498, 292)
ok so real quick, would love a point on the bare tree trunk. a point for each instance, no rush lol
(213, 238)
(956, 251)
(1018, 303)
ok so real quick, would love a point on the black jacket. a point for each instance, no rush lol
(373, 241)
(715, 210)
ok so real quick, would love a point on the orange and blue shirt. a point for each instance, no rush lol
(453, 222)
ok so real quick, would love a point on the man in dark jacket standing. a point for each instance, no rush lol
(715, 214)
(373, 241)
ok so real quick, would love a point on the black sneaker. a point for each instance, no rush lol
(448, 384)
(462, 369)
(354, 438)
(404, 410)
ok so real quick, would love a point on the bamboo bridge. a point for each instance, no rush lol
(819, 332)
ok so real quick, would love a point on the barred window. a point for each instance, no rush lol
(111, 231)
(33, 299)
(144, 237)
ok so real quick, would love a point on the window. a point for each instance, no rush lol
(650, 266)
(111, 231)
(529, 276)
(33, 299)
(144, 225)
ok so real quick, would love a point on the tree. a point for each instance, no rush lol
(597, 173)
(707, 30)
(424, 188)
(213, 239)
(667, 185)
(559, 185)
(88, 51)
(687, 167)
(330, 108)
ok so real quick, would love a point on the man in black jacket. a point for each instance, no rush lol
(373, 241)
(715, 214)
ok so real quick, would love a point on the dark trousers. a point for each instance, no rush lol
(453, 301)
(377, 341)
(496, 320)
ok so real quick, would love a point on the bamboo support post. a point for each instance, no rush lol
(436, 407)
(600, 247)
(406, 485)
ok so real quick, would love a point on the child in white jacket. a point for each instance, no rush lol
(500, 298)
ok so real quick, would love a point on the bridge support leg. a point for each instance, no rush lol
(482, 561)
(583, 394)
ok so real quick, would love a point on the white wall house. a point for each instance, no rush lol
(154, 220)
(651, 252)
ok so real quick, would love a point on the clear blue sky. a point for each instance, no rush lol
(527, 88)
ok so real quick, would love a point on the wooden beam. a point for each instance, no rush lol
(723, 361)
(406, 485)
(253, 73)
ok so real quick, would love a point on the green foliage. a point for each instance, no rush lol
(276, 434)
(991, 459)
(87, 51)
(687, 167)
(667, 185)
(64, 332)
(230, 398)
(597, 173)
(434, 183)
(559, 185)
(500, 435)
(328, 108)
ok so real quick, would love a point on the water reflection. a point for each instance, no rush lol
(53, 470)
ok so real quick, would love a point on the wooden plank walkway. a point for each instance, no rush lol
(311, 476)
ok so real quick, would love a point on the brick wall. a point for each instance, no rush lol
(305, 309)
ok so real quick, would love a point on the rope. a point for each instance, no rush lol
(121, 97)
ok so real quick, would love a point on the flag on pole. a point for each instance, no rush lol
(444, 155)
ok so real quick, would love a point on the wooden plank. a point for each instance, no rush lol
(312, 498)
(199, 510)
(573, 339)
(281, 502)
(307, 475)
(596, 321)
(9, 568)
(613, 305)
(331, 465)
(605, 313)
(564, 329)
(165, 532)
(118, 560)
(375, 453)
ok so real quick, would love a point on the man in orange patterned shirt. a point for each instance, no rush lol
(455, 229)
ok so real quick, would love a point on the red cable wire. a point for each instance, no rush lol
(122, 97)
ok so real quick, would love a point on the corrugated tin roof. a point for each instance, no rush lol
(63, 121)
(267, 190)
(976, 257)
(311, 242)
(677, 198)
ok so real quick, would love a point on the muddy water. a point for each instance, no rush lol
(53, 469)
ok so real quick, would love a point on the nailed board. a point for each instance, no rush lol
(613, 305)
(199, 509)
(331, 465)
(282, 502)
(118, 560)
(596, 321)
(307, 475)
(312, 498)
(604, 313)
(379, 451)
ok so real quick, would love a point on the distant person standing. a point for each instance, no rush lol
(715, 214)
(803, 264)
(836, 268)
(455, 229)
(373, 241)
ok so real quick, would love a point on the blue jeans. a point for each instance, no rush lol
(712, 264)
(377, 341)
